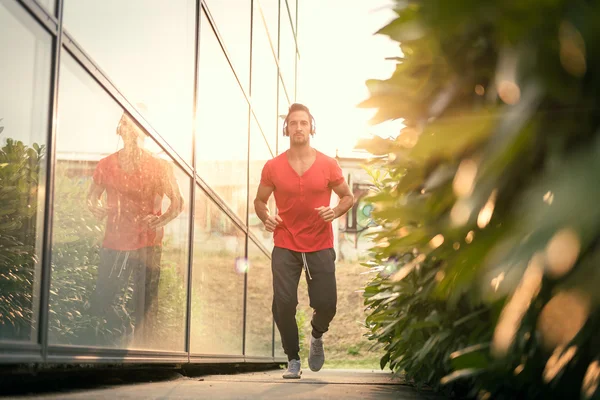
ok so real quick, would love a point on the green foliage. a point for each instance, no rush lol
(487, 201)
(20, 175)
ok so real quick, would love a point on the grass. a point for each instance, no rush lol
(345, 344)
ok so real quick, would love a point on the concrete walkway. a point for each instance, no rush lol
(326, 384)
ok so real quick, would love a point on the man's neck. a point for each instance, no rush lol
(300, 152)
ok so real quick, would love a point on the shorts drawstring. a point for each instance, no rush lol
(306, 266)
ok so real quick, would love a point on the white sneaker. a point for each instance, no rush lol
(293, 371)
(316, 354)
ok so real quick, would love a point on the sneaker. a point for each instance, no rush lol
(316, 354)
(293, 370)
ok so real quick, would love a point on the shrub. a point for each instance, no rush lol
(19, 178)
(486, 202)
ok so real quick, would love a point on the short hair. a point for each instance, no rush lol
(299, 107)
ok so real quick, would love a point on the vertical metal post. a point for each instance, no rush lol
(49, 200)
(296, 57)
(188, 327)
(278, 76)
(246, 251)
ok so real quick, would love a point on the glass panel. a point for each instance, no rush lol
(284, 142)
(24, 105)
(287, 52)
(259, 155)
(222, 145)
(270, 10)
(233, 18)
(259, 319)
(218, 281)
(49, 4)
(147, 49)
(121, 228)
(264, 81)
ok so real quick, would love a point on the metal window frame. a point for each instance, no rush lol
(40, 351)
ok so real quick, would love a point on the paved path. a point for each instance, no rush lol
(326, 384)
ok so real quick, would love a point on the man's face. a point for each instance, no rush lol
(298, 127)
(130, 131)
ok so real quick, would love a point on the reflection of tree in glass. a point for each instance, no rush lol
(19, 174)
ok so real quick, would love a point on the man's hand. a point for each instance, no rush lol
(271, 222)
(152, 221)
(326, 213)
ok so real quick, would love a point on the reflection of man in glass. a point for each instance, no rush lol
(135, 182)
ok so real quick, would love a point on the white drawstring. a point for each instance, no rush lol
(306, 266)
(124, 264)
(114, 264)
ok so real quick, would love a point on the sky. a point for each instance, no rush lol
(338, 49)
(339, 52)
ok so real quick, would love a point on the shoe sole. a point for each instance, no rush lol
(293, 377)
(315, 369)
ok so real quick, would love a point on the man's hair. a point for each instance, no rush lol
(299, 107)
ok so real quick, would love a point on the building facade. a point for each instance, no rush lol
(132, 137)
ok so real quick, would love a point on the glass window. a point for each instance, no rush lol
(120, 227)
(218, 281)
(232, 18)
(259, 317)
(222, 139)
(287, 54)
(270, 11)
(264, 81)
(146, 47)
(24, 106)
(291, 5)
(259, 155)
(49, 4)
(284, 142)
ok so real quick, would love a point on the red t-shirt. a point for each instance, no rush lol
(297, 197)
(130, 197)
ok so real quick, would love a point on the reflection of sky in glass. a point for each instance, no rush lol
(147, 49)
(25, 79)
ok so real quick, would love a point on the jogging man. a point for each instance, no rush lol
(135, 182)
(301, 180)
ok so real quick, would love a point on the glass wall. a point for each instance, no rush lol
(218, 281)
(145, 245)
(259, 324)
(121, 222)
(146, 47)
(222, 129)
(25, 74)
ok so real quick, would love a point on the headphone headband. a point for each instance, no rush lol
(299, 107)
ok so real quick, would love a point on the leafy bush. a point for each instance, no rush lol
(487, 201)
(19, 177)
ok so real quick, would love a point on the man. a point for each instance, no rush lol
(135, 183)
(301, 180)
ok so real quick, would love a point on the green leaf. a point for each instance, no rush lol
(460, 375)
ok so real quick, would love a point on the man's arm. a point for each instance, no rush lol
(262, 209)
(346, 202)
(93, 201)
(346, 199)
(173, 192)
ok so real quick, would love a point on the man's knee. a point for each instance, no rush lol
(326, 309)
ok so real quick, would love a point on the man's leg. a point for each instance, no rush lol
(322, 292)
(287, 268)
(150, 257)
(112, 277)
